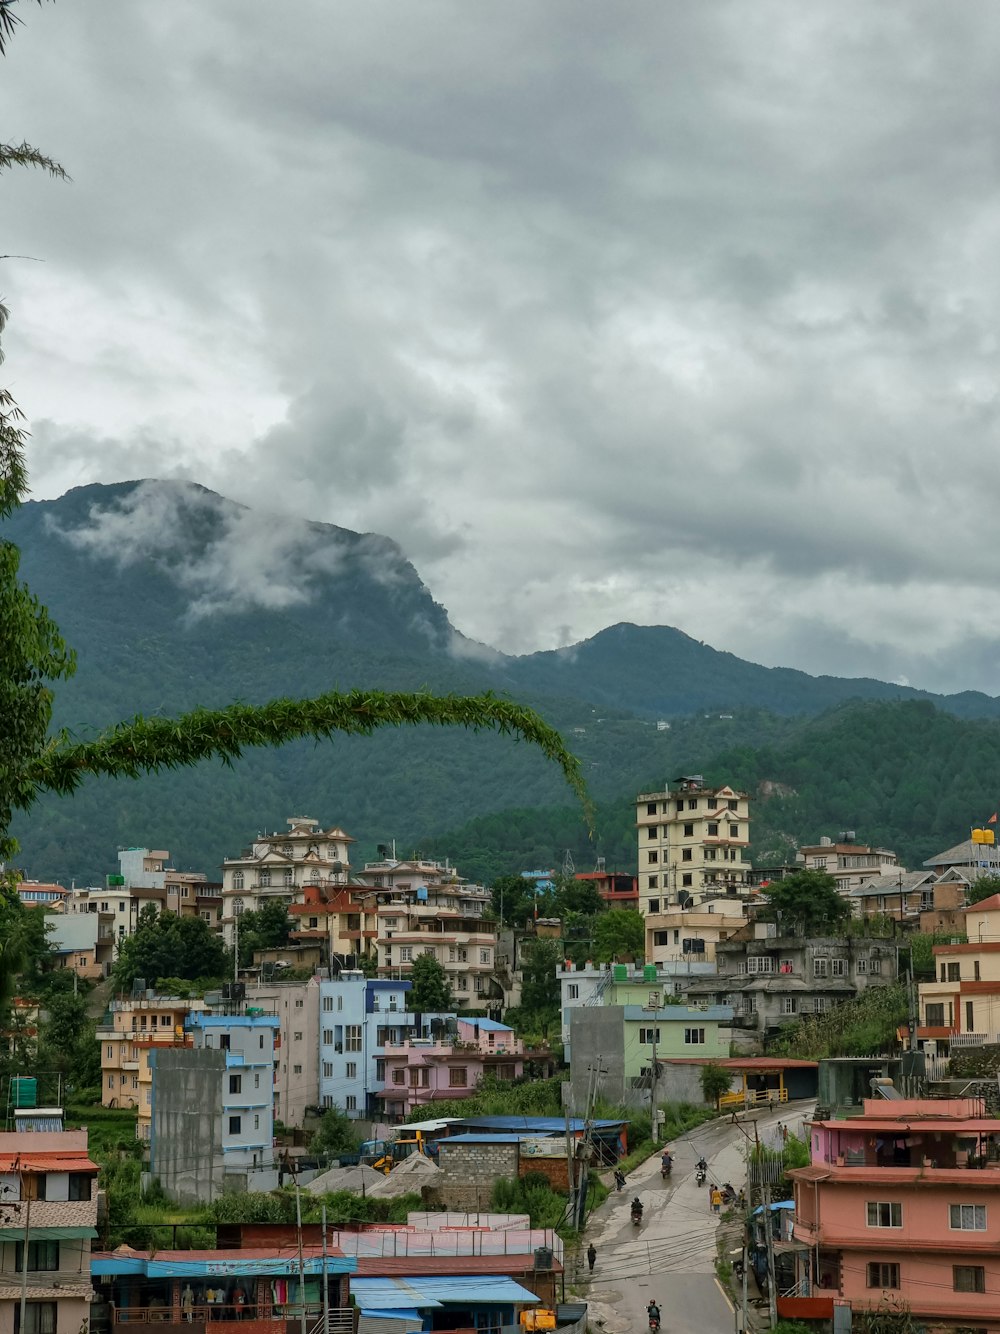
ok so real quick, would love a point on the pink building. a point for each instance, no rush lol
(902, 1202)
(423, 1070)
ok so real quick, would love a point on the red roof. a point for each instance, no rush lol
(992, 904)
(246, 1253)
(374, 1266)
(47, 1162)
(760, 1063)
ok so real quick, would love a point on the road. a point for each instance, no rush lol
(671, 1257)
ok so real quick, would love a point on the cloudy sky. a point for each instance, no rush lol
(679, 313)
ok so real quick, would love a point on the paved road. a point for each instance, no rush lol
(671, 1257)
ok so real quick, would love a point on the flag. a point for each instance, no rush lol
(992, 819)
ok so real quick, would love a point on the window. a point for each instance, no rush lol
(689, 831)
(111, 1081)
(110, 1051)
(296, 1037)
(328, 1004)
(352, 1069)
(380, 1069)
(687, 879)
(289, 876)
(41, 1255)
(694, 1037)
(654, 883)
(820, 967)
(296, 1069)
(934, 1016)
(573, 991)
(406, 954)
(687, 854)
(838, 967)
(789, 1005)
(650, 807)
(654, 904)
(340, 1002)
(651, 832)
(80, 1186)
(734, 831)
(649, 1035)
(352, 1034)
(33, 1186)
(875, 966)
(692, 803)
(256, 1121)
(652, 857)
(458, 1077)
(235, 1125)
(713, 829)
(968, 1278)
(327, 1069)
(968, 1217)
(883, 1275)
(861, 966)
(39, 1318)
(327, 1037)
(264, 879)
(975, 970)
(235, 1083)
(350, 1103)
(954, 973)
(484, 956)
(760, 963)
(398, 1076)
(881, 1214)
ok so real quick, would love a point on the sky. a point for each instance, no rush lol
(670, 313)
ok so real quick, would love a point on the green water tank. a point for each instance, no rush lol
(620, 972)
(649, 972)
(25, 1091)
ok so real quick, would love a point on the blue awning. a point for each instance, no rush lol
(429, 1293)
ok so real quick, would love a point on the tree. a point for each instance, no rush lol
(540, 991)
(715, 1081)
(431, 992)
(335, 1134)
(983, 888)
(619, 933)
(165, 945)
(512, 899)
(806, 903)
(265, 928)
(578, 896)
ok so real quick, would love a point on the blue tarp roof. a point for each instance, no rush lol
(484, 1137)
(487, 1025)
(532, 1125)
(406, 1294)
(778, 1204)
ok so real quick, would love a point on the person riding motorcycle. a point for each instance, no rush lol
(701, 1165)
(653, 1313)
(637, 1208)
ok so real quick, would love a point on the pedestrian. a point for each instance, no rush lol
(784, 1134)
(187, 1302)
(591, 1256)
(716, 1200)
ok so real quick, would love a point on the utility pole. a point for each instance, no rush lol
(326, 1291)
(302, 1267)
(570, 1172)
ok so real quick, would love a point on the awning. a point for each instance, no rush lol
(47, 1233)
(47, 1162)
(428, 1293)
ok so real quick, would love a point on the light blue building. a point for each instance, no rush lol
(358, 1017)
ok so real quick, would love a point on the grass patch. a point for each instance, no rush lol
(678, 1119)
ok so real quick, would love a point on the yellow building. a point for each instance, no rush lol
(692, 843)
(690, 935)
(964, 998)
(128, 1031)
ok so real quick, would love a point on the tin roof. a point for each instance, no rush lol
(431, 1291)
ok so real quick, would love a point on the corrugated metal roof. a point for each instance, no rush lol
(427, 1291)
(375, 1266)
(484, 1137)
(487, 1025)
(538, 1125)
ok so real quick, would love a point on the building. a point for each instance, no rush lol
(48, 1199)
(689, 934)
(34, 894)
(973, 857)
(617, 889)
(296, 1066)
(585, 986)
(426, 907)
(447, 1065)
(279, 865)
(76, 942)
(618, 1049)
(692, 841)
(212, 1107)
(900, 1202)
(131, 1027)
(771, 980)
(341, 919)
(360, 1018)
(850, 863)
(116, 910)
(963, 1001)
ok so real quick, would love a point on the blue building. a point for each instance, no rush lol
(358, 1017)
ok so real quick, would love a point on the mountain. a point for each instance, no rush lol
(176, 597)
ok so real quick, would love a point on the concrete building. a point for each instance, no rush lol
(34, 894)
(616, 888)
(850, 863)
(900, 1203)
(692, 842)
(962, 1004)
(131, 1027)
(771, 980)
(296, 1006)
(621, 1046)
(587, 986)
(48, 1199)
(117, 911)
(690, 934)
(427, 1069)
(279, 865)
(360, 1018)
(77, 943)
(213, 1107)
(426, 907)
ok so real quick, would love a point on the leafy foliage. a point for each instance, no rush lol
(431, 993)
(863, 1026)
(335, 1134)
(494, 1097)
(806, 904)
(715, 1080)
(165, 945)
(540, 992)
(619, 933)
(983, 888)
(265, 928)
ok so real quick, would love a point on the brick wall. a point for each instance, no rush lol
(553, 1169)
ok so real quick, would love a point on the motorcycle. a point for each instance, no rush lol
(700, 1177)
(636, 1217)
(728, 1194)
(666, 1167)
(654, 1323)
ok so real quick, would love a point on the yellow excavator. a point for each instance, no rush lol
(384, 1154)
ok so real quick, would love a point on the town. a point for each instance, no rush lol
(389, 1095)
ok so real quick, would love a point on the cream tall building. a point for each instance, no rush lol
(692, 841)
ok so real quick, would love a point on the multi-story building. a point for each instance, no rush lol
(48, 1203)
(771, 980)
(426, 907)
(850, 863)
(427, 1069)
(973, 857)
(963, 1001)
(77, 943)
(116, 910)
(35, 894)
(296, 1067)
(584, 987)
(692, 842)
(129, 1030)
(278, 865)
(213, 1106)
(900, 1203)
(690, 934)
(616, 888)
(342, 919)
(360, 1018)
